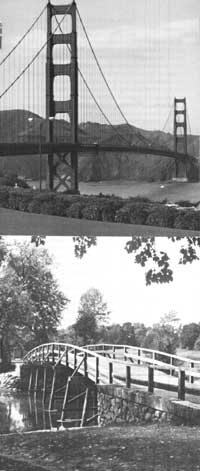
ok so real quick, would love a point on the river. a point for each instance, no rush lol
(156, 191)
(22, 412)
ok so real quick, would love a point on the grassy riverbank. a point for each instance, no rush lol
(153, 447)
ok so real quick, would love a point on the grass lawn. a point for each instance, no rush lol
(191, 354)
(143, 448)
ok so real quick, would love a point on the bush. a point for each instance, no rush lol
(133, 213)
(109, 209)
(92, 212)
(188, 220)
(75, 210)
(160, 215)
(19, 199)
(4, 197)
(186, 204)
(11, 180)
(100, 208)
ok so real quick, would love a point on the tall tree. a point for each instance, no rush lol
(92, 315)
(31, 302)
(163, 336)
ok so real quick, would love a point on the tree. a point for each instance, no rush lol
(163, 336)
(92, 315)
(189, 335)
(30, 300)
(140, 333)
(118, 334)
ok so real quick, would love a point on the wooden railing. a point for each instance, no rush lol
(155, 358)
(122, 365)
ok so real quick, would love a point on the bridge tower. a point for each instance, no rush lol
(180, 134)
(62, 165)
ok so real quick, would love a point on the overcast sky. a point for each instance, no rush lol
(149, 50)
(110, 269)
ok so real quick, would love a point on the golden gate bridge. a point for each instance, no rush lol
(51, 76)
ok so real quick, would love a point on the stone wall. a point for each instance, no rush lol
(122, 405)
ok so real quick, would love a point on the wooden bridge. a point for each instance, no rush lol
(117, 364)
(72, 373)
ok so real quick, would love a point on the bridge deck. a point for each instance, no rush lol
(106, 364)
(31, 148)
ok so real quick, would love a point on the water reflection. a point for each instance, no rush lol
(20, 412)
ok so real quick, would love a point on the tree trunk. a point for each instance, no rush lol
(5, 353)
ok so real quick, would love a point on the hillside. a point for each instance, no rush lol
(15, 125)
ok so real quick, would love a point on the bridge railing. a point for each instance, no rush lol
(118, 364)
(146, 356)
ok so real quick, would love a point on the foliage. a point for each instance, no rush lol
(82, 244)
(118, 334)
(12, 180)
(163, 336)
(145, 250)
(197, 344)
(189, 335)
(102, 208)
(30, 300)
(92, 315)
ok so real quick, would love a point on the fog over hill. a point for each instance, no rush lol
(16, 126)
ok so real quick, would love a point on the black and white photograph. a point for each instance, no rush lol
(99, 235)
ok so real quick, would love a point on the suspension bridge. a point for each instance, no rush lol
(51, 76)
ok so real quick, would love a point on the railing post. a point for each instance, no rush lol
(53, 354)
(30, 380)
(181, 385)
(36, 380)
(44, 384)
(97, 370)
(128, 376)
(171, 369)
(66, 356)
(139, 353)
(75, 358)
(150, 379)
(191, 377)
(110, 372)
(113, 352)
(124, 353)
(85, 365)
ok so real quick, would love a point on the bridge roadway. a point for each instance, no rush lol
(107, 364)
(31, 148)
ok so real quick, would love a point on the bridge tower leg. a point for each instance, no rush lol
(62, 165)
(180, 134)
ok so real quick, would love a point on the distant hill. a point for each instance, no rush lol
(21, 125)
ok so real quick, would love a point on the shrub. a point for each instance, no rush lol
(75, 209)
(92, 212)
(186, 204)
(19, 199)
(11, 180)
(109, 209)
(4, 197)
(160, 215)
(188, 220)
(133, 213)
(123, 215)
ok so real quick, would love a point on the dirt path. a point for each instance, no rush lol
(143, 448)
